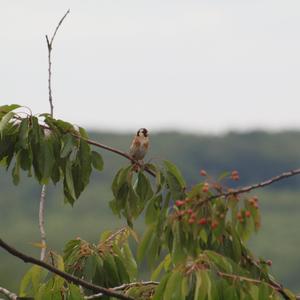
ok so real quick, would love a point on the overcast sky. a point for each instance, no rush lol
(201, 66)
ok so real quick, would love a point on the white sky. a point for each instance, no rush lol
(202, 66)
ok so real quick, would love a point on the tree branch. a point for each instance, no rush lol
(262, 184)
(42, 222)
(8, 293)
(49, 46)
(119, 152)
(124, 287)
(279, 289)
(66, 276)
(43, 192)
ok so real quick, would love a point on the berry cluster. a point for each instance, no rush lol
(190, 216)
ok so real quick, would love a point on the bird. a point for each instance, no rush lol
(139, 145)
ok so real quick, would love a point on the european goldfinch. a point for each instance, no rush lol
(139, 145)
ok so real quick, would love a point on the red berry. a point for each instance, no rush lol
(203, 173)
(180, 213)
(269, 262)
(191, 221)
(205, 187)
(179, 203)
(202, 221)
(239, 215)
(248, 213)
(189, 211)
(214, 224)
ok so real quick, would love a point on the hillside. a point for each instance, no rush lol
(257, 156)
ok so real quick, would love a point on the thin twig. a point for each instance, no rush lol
(8, 293)
(49, 46)
(273, 286)
(42, 222)
(43, 192)
(123, 287)
(113, 235)
(262, 184)
(66, 276)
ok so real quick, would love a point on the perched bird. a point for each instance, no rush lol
(139, 145)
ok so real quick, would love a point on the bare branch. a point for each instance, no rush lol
(272, 285)
(57, 27)
(43, 192)
(262, 184)
(124, 287)
(8, 293)
(119, 152)
(66, 276)
(49, 46)
(42, 222)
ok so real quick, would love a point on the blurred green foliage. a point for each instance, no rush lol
(256, 155)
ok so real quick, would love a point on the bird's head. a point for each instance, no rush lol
(142, 132)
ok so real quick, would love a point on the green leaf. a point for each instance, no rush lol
(68, 142)
(90, 267)
(120, 178)
(31, 281)
(46, 160)
(155, 274)
(143, 188)
(16, 171)
(75, 293)
(4, 121)
(220, 261)
(63, 126)
(84, 158)
(70, 247)
(97, 161)
(161, 288)
(264, 291)
(83, 133)
(173, 286)
(185, 287)
(49, 291)
(175, 171)
(122, 271)
(153, 209)
(111, 270)
(129, 261)
(205, 289)
(178, 252)
(4, 109)
(25, 159)
(58, 281)
(236, 245)
(23, 133)
(230, 293)
(69, 179)
(37, 132)
(143, 247)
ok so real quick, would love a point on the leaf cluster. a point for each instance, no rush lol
(50, 150)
